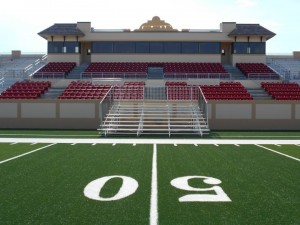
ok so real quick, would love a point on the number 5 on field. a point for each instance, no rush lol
(183, 184)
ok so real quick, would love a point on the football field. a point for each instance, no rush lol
(149, 182)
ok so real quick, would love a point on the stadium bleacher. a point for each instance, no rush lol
(55, 70)
(26, 90)
(84, 90)
(226, 91)
(257, 71)
(282, 91)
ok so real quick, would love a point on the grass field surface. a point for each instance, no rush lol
(55, 183)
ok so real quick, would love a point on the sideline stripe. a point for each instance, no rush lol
(27, 153)
(291, 157)
(153, 200)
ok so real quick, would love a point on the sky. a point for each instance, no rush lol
(21, 20)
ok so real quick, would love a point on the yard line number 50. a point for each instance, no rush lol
(130, 185)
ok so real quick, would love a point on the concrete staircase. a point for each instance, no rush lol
(52, 93)
(259, 94)
(236, 74)
(76, 72)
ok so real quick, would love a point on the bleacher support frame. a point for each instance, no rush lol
(153, 116)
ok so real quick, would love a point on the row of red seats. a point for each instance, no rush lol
(117, 67)
(130, 90)
(282, 91)
(226, 91)
(84, 90)
(25, 90)
(53, 69)
(259, 70)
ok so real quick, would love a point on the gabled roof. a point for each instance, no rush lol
(62, 29)
(251, 29)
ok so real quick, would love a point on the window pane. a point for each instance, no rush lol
(257, 47)
(209, 47)
(190, 47)
(240, 47)
(156, 47)
(124, 47)
(172, 47)
(71, 46)
(55, 47)
(142, 47)
(102, 47)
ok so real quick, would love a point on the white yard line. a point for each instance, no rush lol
(154, 195)
(291, 157)
(27, 153)
(148, 141)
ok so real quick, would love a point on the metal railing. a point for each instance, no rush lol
(197, 76)
(49, 75)
(263, 76)
(119, 75)
(202, 102)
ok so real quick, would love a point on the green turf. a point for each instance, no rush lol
(291, 150)
(8, 151)
(263, 186)
(47, 187)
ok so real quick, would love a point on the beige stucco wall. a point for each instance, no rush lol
(248, 58)
(38, 110)
(233, 111)
(64, 58)
(273, 111)
(155, 58)
(297, 111)
(77, 110)
(84, 114)
(8, 110)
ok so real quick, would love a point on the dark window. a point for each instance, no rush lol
(240, 48)
(257, 47)
(55, 47)
(209, 47)
(71, 46)
(124, 47)
(156, 47)
(190, 47)
(172, 47)
(102, 47)
(142, 47)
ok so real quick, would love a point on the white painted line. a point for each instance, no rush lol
(217, 145)
(27, 153)
(14, 143)
(73, 143)
(153, 200)
(278, 145)
(114, 144)
(291, 157)
(94, 144)
(237, 145)
(134, 144)
(175, 144)
(33, 143)
(149, 141)
(195, 144)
